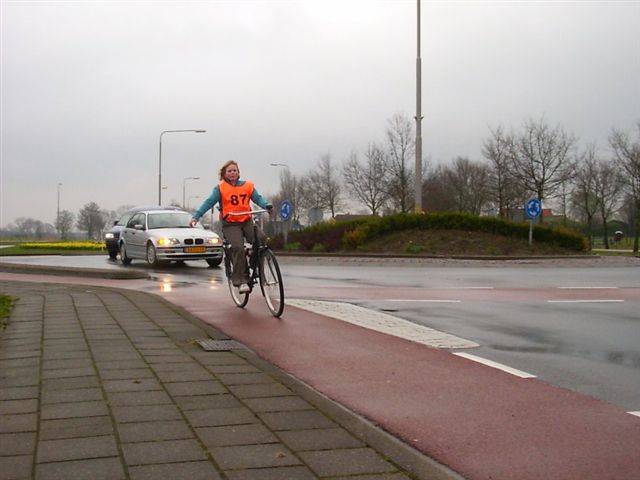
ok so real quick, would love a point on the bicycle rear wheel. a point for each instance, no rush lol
(240, 299)
(271, 283)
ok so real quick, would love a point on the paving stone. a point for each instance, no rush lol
(75, 395)
(19, 362)
(16, 468)
(94, 469)
(19, 422)
(8, 407)
(220, 416)
(68, 372)
(146, 413)
(299, 420)
(208, 387)
(185, 470)
(75, 427)
(243, 368)
(76, 449)
(257, 391)
(127, 374)
(17, 444)
(319, 439)
(280, 473)
(205, 402)
(219, 358)
(156, 397)
(73, 410)
(67, 363)
(17, 393)
(277, 404)
(136, 385)
(357, 461)
(154, 431)
(235, 435)
(184, 375)
(104, 365)
(254, 456)
(169, 451)
(70, 383)
(156, 359)
(385, 476)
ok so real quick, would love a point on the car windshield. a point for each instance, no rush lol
(169, 220)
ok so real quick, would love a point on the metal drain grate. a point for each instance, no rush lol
(211, 345)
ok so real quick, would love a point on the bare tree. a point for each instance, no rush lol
(436, 189)
(401, 147)
(92, 220)
(469, 184)
(584, 196)
(627, 156)
(366, 180)
(64, 222)
(502, 186)
(609, 190)
(541, 158)
(325, 183)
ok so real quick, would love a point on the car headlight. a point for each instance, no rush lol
(108, 235)
(214, 241)
(167, 242)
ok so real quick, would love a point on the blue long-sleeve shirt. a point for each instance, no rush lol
(214, 198)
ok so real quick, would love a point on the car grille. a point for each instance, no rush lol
(191, 241)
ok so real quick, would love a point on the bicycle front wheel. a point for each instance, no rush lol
(271, 283)
(240, 299)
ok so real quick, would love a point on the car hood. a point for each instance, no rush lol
(181, 233)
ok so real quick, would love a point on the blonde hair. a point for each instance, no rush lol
(224, 167)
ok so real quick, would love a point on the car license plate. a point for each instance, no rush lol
(195, 249)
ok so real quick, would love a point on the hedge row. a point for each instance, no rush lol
(351, 235)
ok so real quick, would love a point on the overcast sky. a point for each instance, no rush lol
(87, 87)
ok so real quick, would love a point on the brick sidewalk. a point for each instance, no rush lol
(101, 383)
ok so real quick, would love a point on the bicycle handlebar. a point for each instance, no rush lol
(251, 212)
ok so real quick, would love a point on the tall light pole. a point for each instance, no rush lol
(160, 159)
(418, 184)
(58, 212)
(184, 183)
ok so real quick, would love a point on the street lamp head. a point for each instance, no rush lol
(200, 131)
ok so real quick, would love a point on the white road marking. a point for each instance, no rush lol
(585, 301)
(419, 300)
(383, 322)
(588, 288)
(499, 366)
(637, 414)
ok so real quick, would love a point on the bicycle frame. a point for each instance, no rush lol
(259, 256)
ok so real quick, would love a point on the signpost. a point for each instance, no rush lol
(286, 209)
(533, 209)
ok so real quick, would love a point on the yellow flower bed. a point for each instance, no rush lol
(65, 245)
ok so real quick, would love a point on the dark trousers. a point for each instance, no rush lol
(235, 234)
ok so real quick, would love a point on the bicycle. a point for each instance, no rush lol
(263, 269)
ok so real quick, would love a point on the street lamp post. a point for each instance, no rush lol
(418, 183)
(160, 159)
(184, 183)
(58, 212)
(189, 202)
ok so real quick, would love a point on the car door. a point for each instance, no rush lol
(134, 235)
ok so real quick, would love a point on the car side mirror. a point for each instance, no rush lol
(138, 226)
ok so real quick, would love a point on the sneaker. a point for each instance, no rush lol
(244, 288)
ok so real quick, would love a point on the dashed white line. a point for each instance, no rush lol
(637, 414)
(420, 300)
(588, 288)
(585, 301)
(499, 366)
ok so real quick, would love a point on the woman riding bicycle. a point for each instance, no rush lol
(234, 196)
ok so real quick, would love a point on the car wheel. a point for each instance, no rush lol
(214, 262)
(152, 258)
(123, 255)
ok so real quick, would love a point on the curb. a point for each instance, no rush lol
(80, 272)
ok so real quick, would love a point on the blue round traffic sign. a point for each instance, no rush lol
(285, 210)
(533, 208)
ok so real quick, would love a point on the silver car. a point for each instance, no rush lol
(165, 235)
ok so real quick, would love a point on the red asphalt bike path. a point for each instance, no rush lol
(480, 422)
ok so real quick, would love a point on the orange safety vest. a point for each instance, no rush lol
(235, 199)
